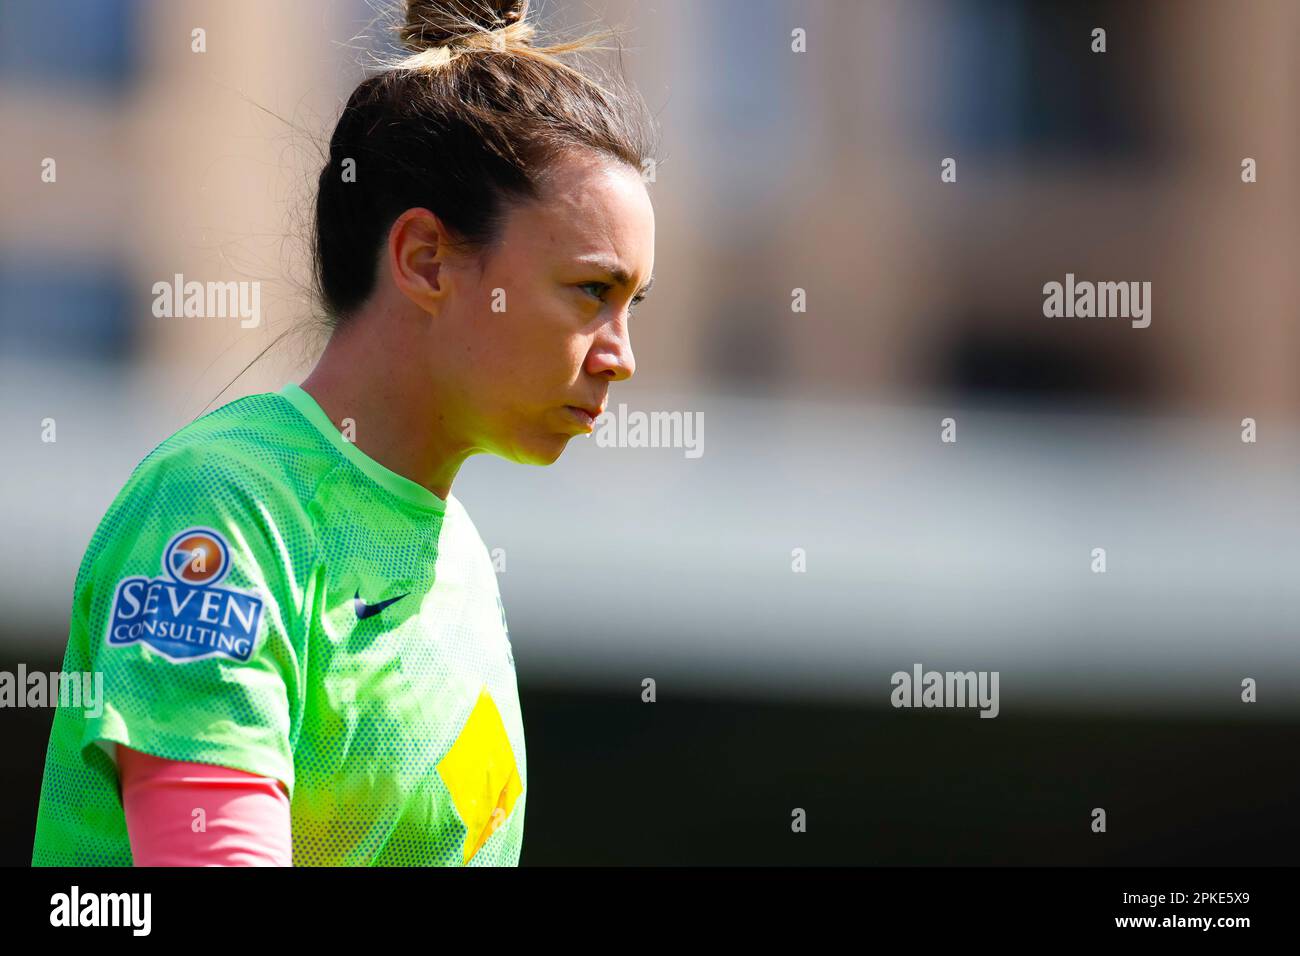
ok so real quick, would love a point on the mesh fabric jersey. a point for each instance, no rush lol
(264, 596)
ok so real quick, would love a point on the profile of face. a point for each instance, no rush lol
(527, 335)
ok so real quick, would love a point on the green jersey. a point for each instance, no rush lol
(264, 596)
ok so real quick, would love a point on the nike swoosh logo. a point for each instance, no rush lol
(365, 610)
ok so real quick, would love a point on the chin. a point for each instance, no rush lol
(543, 450)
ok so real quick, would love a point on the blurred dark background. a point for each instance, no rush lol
(713, 782)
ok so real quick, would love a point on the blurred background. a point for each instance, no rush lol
(778, 170)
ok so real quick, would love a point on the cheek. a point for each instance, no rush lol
(508, 362)
(542, 345)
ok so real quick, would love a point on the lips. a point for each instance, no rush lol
(587, 415)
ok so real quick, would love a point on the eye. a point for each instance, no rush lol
(602, 287)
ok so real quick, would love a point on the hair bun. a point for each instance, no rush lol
(433, 23)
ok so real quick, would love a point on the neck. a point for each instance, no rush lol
(395, 418)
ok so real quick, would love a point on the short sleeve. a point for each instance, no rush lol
(192, 601)
(247, 818)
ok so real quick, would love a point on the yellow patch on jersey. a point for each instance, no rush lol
(481, 774)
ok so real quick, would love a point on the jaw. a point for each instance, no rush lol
(542, 453)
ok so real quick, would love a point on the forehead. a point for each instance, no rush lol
(589, 205)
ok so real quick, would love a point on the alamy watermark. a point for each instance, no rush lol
(75, 908)
(1101, 300)
(946, 689)
(81, 690)
(210, 300)
(624, 429)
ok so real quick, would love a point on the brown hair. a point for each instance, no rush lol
(465, 124)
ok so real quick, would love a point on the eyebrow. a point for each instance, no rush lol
(619, 274)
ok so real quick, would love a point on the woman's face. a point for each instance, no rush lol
(538, 328)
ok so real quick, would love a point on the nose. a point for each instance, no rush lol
(611, 352)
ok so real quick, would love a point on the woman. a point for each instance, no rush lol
(304, 652)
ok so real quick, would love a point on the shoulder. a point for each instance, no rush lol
(247, 471)
(464, 536)
(252, 451)
(456, 515)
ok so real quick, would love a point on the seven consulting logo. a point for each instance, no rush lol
(185, 616)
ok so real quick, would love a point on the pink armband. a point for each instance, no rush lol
(244, 818)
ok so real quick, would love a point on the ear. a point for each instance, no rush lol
(417, 255)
